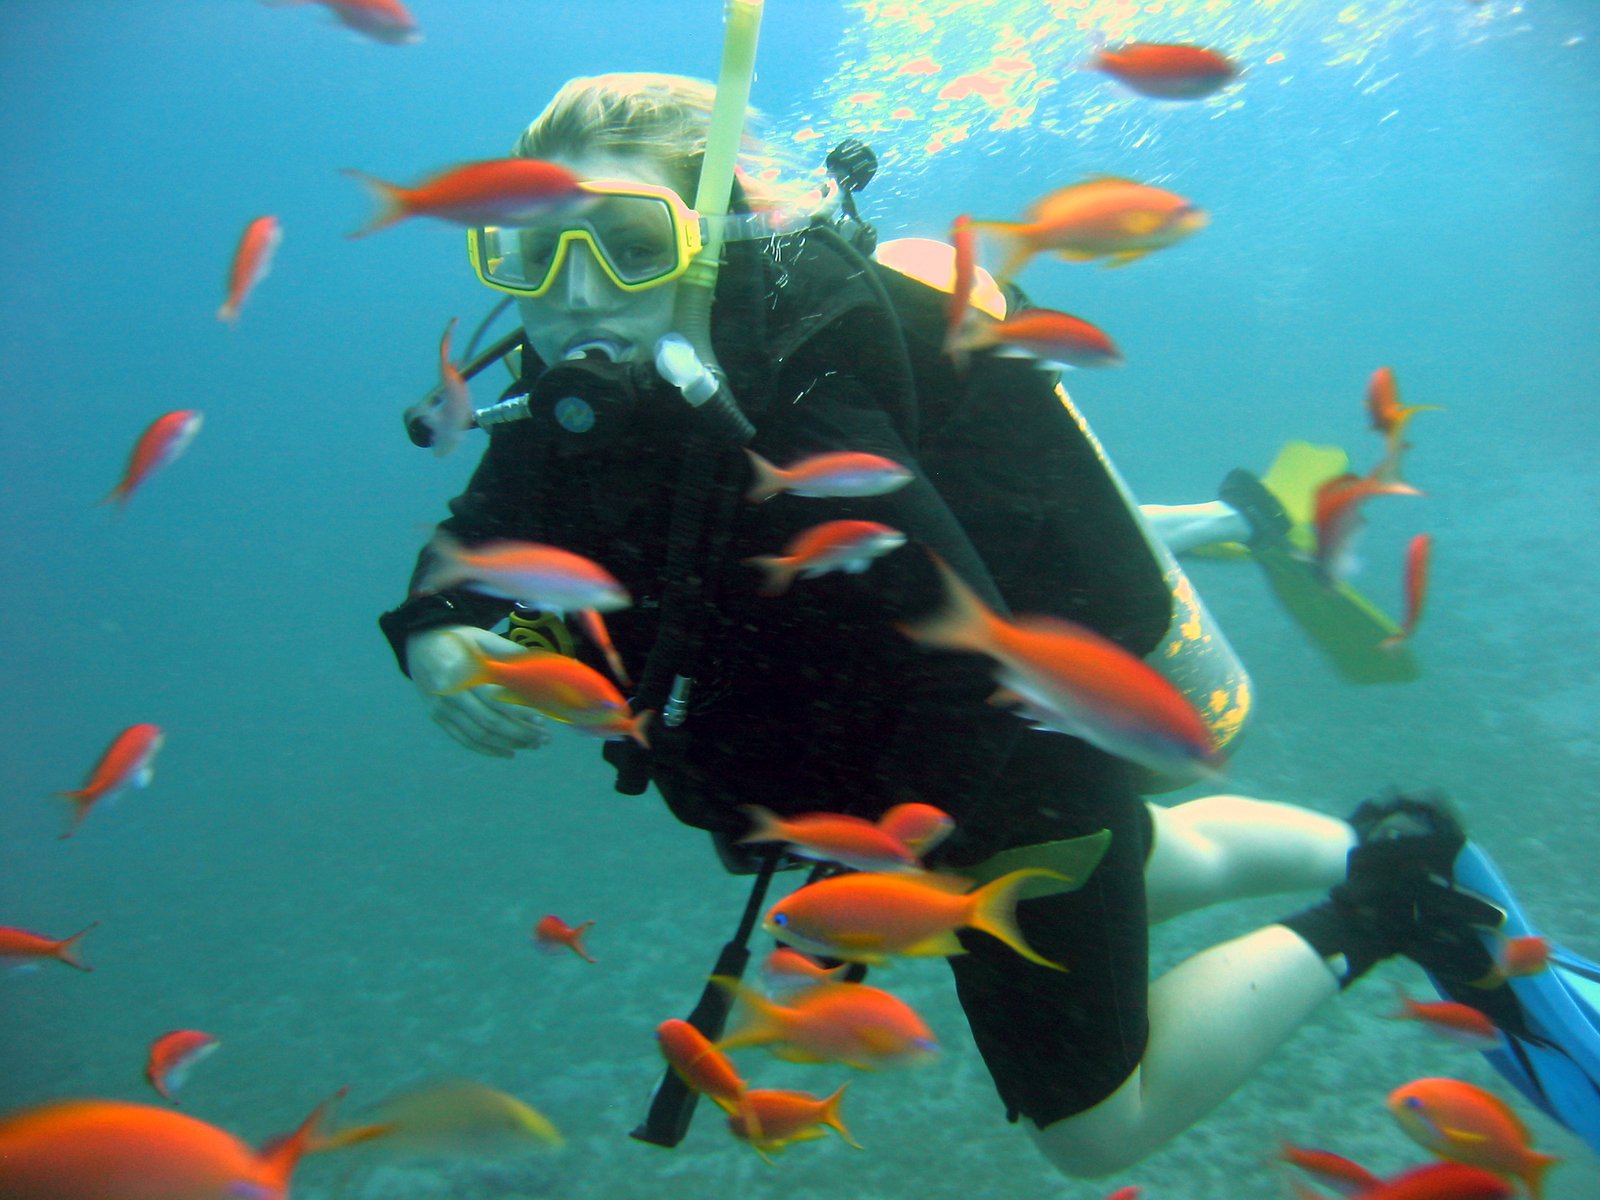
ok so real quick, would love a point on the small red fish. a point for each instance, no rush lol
(561, 688)
(1070, 679)
(965, 243)
(19, 948)
(867, 917)
(172, 1055)
(385, 21)
(1458, 1022)
(1131, 1192)
(497, 191)
(850, 1023)
(1419, 552)
(1462, 1122)
(1337, 518)
(788, 971)
(554, 934)
(920, 826)
(700, 1064)
(830, 837)
(771, 1119)
(166, 438)
(251, 262)
(1441, 1181)
(594, 628)
(129, 762)
(1518, 957)
(112, 1150)
(1165, 71)
(532, 574)
(1390, 418)
(1044, 333)
(848, 546)
(1330, 1170)
(842, 473)
(1118, 220)
(448, 413)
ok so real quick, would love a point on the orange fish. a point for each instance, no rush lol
(1441, 1181)
(771, 1119)
(1118, 220)
(1070, 679)
(447, 413)
(841, 473)
(850, 1023)
(1131, 1192)
(111, 1150)
(497, 191)
(1044, 333)
(920, 826)
(848, 546)
(172, 1055)
(866, 917)
(1330, 1170)
(1458, 1022)
(251, 262)
(129, 762)
(830, 837)
(561, 688)
(1337, 518)
(788, 971)
(1462, 1122)
(384, 21)
(166, 438)
(532, 574)
(1517, 957)
(553, 934)
(1166, 71)
(1419, 551)
(18, 947)
(700, 1064)
(594, 628)
(1390, 418)
(964, 241)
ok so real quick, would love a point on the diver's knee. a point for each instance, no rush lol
(1099, 1141)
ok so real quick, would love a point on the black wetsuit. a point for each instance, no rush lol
(815, 701)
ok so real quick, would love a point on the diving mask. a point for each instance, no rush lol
(641, 235)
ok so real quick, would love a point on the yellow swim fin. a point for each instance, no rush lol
(1342, 623)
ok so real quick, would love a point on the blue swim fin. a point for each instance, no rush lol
(1550, 1035)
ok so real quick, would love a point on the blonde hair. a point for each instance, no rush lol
(661, 118)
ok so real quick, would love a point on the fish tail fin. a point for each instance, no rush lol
(280, 1155)
(444, 569)
(761, 1024)
(118, 496)
(80, 800)
(229, 312)
(779, 572)
(477, 677)
(67, 951)
(994, 911)
(964, 621)
(830, 1117)
(766, 825)
(1019, 250)
(769, 480)
(1533, 1173)
(390, 198)
(636, 730)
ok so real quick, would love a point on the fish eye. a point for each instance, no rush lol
(780, 918)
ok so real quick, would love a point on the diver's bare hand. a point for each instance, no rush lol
(439, 659)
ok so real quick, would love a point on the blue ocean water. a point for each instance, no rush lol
(343, 896)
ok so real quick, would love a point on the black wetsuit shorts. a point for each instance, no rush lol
(1058, 1043)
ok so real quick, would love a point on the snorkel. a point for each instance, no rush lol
(688, 361)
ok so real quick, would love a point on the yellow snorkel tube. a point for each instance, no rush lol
(689, 362)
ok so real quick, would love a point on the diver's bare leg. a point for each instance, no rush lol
(1221, 848)
(1214, 1019)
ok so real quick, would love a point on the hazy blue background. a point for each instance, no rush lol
(343, 895)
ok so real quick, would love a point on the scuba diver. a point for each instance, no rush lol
(617, 443)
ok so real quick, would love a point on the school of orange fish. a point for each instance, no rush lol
(879, 903)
